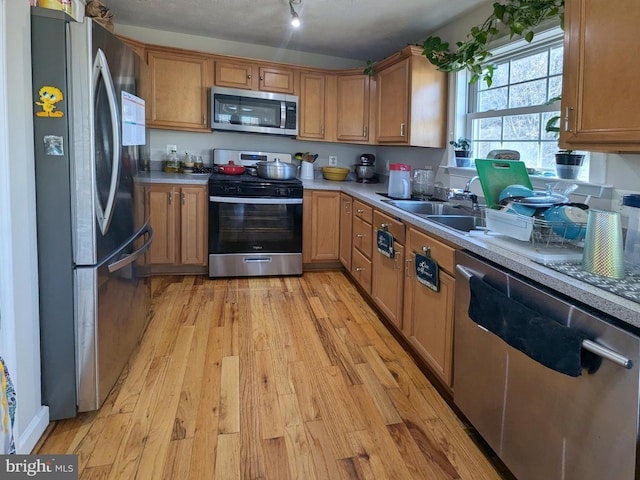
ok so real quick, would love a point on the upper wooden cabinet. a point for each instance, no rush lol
(312, 120)
(411, 101)
(600, 91)
(253, 76)
(353, 108)
(178, 86)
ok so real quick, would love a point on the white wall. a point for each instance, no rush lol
(19, 342)
(237, 49)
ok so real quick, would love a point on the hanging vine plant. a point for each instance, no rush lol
(515, 17)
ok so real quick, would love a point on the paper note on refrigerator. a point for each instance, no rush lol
(133, 120)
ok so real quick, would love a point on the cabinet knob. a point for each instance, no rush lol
(402, 128)
(359, 269)
(360, 235)
(364, 132)
(359, 210)
(170, 194)
(249, 76)
(261, 77)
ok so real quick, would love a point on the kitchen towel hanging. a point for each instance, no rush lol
(427, 270)
(7, 409)
(384, 240)
(537, 336)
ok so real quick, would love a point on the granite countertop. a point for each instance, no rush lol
(158, 176)
(618, 307)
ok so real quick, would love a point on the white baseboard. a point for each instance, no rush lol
(33, 432)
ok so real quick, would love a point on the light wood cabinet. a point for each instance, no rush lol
(312, 120)
(321, 226)
(178, 90)
(428, 315)
(178, 217)
(600, 92)
(411, 99)
(254, 76)
(352, 99)
(346, 229)
(387, 284)
(362, 245)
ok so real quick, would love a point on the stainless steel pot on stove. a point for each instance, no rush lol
(277, 170)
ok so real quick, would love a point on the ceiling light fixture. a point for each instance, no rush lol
(295, 19)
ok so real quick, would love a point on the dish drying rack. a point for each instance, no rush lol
(539, 232)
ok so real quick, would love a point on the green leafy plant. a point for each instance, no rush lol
(462, 144)
(369, 68)
(515, 17)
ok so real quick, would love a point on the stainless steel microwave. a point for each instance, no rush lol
(258, 112)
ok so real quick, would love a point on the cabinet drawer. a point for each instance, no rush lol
(361, 269)
(441, 252)
(362, 237)
(395, 227)
(363, 211)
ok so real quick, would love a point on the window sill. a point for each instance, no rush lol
(539, 182)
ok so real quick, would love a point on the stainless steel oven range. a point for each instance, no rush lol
(255, 224)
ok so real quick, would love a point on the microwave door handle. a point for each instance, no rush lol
(283, 114)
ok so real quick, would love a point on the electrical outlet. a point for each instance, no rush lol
(333, 160)
(171, 147)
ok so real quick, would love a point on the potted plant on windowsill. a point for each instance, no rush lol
(462, 151)
(568, 163)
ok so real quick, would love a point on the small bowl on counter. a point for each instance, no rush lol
(335, 173)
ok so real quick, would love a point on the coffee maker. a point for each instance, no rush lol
(365, 170)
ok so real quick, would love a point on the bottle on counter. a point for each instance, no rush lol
(187, 163)
(172, 164)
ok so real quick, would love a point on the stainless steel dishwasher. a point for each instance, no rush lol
(544, 424)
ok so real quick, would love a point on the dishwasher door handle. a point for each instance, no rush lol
(607, 354)
(588, 345)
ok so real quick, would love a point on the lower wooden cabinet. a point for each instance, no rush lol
(428, 315)
(178, 217)
(387, 284)
(423, 316)
(346, 229)
(321, 226)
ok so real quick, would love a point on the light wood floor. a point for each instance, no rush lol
(269, 378)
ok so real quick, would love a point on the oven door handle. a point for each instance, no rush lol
(257, 200)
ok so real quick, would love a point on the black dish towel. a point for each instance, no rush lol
(542, 339)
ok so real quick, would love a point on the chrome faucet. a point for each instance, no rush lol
(466, 195)
(467, 187)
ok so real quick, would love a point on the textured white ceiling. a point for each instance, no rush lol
(356, 29)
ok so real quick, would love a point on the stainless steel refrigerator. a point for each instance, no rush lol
(92, 227)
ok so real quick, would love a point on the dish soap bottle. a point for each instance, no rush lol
(172, 165)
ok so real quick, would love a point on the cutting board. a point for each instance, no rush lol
(496, 175)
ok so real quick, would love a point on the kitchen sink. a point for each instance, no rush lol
(425, 207)
(462, 223)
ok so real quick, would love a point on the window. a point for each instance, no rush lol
(513, 112)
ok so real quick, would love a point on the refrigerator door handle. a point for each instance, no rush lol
(132, 257)
(101, 70)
